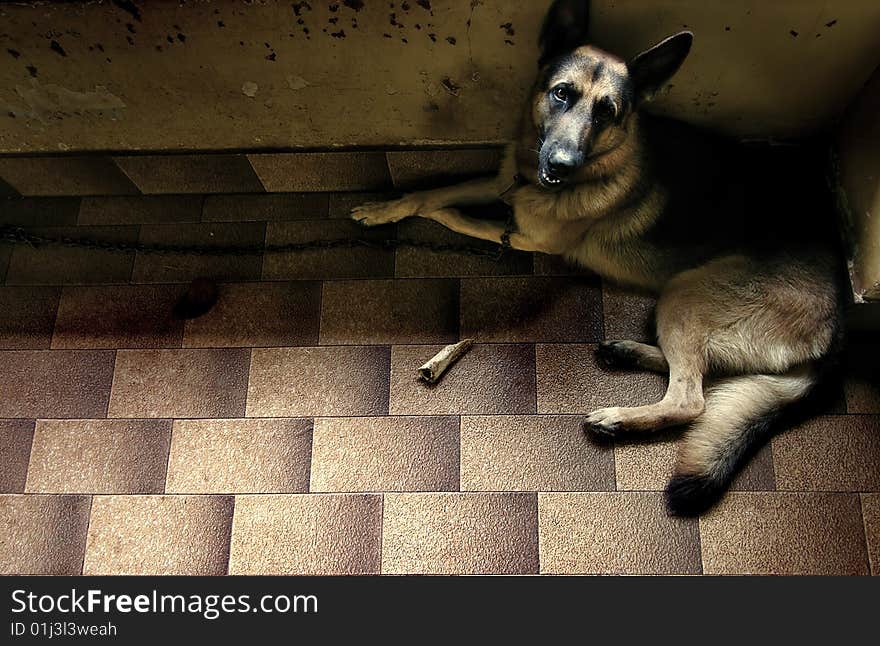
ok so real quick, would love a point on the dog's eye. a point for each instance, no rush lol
(560, 93)
(603, 111)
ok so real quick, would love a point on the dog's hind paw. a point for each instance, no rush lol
(617, 354)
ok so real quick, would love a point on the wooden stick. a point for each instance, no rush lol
(440, 363)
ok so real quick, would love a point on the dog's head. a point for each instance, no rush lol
(584, 96)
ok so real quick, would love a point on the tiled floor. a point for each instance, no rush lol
(285, 432)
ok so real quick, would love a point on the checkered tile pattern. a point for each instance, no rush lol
(285, 432)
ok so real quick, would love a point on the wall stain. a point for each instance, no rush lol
(299, 6)
(57, 48)
(357, 5)
(14, 53)
(130, 7)
(450, 86)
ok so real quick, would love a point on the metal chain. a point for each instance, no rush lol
(19, 236)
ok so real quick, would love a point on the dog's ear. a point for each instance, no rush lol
(653, 67)
(564, 28)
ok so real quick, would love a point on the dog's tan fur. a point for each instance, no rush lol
(721, 310)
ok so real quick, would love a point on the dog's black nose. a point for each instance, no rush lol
(561, 163)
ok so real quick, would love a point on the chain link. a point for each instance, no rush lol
(19, 236)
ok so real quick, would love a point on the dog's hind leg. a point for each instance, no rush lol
(632, 354)
(739, 417)
(683, 335)
(734, 315)
(682, 403)
(478, 191)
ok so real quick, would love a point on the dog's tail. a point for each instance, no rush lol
(741, 414)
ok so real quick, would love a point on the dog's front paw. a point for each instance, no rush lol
(605, 423)
(373, 214)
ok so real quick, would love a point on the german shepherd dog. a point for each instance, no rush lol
(652, 203)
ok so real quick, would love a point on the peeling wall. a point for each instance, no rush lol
(229, 74)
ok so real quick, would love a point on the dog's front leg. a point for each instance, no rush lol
(491, 230)
(478, 191)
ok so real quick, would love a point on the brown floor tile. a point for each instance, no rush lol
(570, 380)
(27, 315)
(784, 533)
(39, 211)
(861, 383)
(531, 308)
(6, 189)
(55, 265)
(179, 383)
(67, 175)
(265, 208)
(5, 254)
(452, 533)
(871, 516)
(240, 456)
(647, 466)
(839, 453)
(307, 534)
(205, 173)
(259, 315)
(628, 314)
(389, 311)
(170, 268)
(99, 456)
(141, 209)
(341, 204)
(552, 265)
(43, 534)
(16, 436)
(385, 454)
(862, 395)
(55, 383)
(532, 453)
(488, 380)
(614, 533)
(327, 264)
(417, 263)
(305, 382)
(159, 535)
(118, 316)
(411, 169)
(334, 171)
